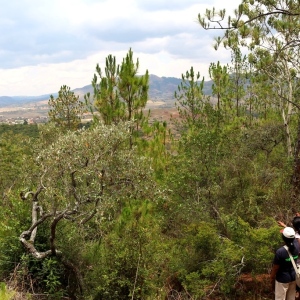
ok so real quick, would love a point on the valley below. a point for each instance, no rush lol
(161, 101)
(37, 112)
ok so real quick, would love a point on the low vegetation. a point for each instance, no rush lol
(128, 207)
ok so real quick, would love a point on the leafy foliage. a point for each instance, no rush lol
(25, 130)
(121, 95)
(66, 110)
(4, 293)
(165, 217)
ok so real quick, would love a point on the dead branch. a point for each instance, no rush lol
(53, 232)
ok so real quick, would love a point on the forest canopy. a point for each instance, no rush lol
(129, 207)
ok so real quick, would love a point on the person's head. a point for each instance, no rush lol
(288, 235)
(296, 223)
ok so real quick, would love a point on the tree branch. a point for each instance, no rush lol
(53, 232)
(236, 23)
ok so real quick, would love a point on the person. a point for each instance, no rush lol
(283, 273)
(296, 225)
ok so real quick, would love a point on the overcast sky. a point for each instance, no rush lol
(49, 43)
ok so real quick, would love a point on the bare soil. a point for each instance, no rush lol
(40, 109)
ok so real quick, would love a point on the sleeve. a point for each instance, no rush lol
(276, 260)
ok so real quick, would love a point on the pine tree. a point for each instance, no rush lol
(66, 110)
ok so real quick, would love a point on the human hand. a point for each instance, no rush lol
(282, 224)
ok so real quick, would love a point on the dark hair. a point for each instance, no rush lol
(296, 223)
(289, 242)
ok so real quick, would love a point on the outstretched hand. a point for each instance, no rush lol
(297, 214)
(281, 223)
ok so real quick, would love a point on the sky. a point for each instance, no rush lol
(45, 44)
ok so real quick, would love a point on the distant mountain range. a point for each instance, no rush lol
(161, 89)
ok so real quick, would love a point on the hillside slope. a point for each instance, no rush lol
(161, 90)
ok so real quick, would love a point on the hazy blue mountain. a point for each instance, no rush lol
(21, 100)
(161, 89)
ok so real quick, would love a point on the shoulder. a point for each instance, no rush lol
(281, 252)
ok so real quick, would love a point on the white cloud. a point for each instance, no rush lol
(46, 44)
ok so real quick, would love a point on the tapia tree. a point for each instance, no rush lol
(81, 175)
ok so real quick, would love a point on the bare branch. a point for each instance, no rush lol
(89, 217)
(238, 24)
(33, 226)
(53, 232)
(32, 250)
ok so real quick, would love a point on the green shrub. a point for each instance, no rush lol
(5, 294)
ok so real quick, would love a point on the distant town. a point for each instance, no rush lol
(30, 115)
(37, 112)
(34, 110)
(20, 120)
